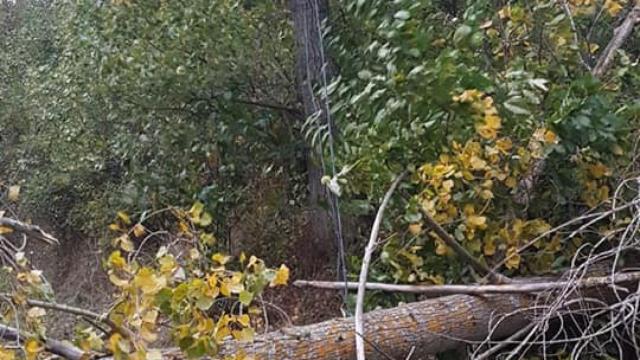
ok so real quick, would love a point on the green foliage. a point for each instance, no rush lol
(141, 104)
(470, 99)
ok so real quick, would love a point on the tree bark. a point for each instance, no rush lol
(426, 328)
(310, 63)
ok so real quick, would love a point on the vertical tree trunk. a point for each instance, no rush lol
(307, 15)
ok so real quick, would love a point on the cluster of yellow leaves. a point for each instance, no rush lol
(7, 354)
(183, 286)
(488, 123)
(594, 181)
(613, 7)
(461, 186)
(32, 348)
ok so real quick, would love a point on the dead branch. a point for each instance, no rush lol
(479, 290)
(480, 267)
(620, 35)
(81, 312)
(371, 246)
(53, 346)
(30, 230)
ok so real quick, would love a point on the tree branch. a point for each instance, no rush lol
(524, 286)
(81, 312)
(620, 35)
(478, 266)
(29, 230)
(371, 246)
(53, 346)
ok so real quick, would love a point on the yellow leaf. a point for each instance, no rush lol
(513, 258)
(32, 347)
(441, 248)
(489, 248)
(504, 145)
(207, 239)
(244, 320)
(114, 227)
(147, 333)
(14, 193)
(196, 211)
(468, 96)
(225, 289)
(138, 230)
(7, 354)
(124, 217)
(447, 185)
(613, 7)
(149, 282)
(5, 230)
(477, 221)
(415, 229)
(599, 170)
(244, 335)
(116, 260)
(505, 12)
(617, 150)
(550, 137)
(115, 280)
(220, 258)
(125, 243)
(477, 163)
(36, 312)
(282, 276)
(206, 219)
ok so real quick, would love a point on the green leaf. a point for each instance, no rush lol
(245, 297)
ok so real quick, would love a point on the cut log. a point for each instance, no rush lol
(422, 328)
(425, 327)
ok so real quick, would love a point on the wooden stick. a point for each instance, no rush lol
(515, 287)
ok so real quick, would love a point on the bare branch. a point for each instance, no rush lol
(53, 346)
(516, 287)
(480, 267)
(620, 35)
(82, 312)
(373, 240)
(30, 230)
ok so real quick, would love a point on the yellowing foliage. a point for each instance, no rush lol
(180, 289)
(462, 186)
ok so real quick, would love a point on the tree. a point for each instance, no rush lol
(314, 70)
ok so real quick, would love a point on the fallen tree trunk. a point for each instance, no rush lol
(425, 327)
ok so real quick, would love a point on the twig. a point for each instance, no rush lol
(375, 347)
(511, 288)
(82, 312)
(501, 345)
(494, 277)
(51, 345)
(30, 230)
(375, 229)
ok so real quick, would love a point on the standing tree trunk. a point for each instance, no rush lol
(310, 62)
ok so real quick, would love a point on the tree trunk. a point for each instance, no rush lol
(310, 61)
(427, 327)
